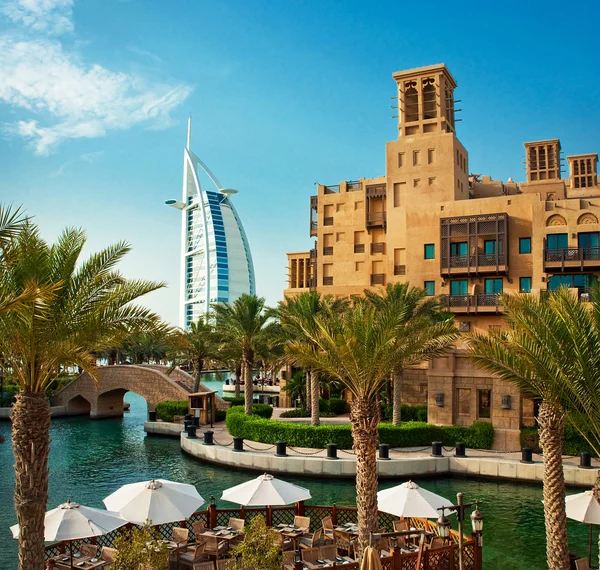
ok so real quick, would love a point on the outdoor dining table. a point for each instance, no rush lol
(349, 528)
(340, 560)
(64, 562)
(290, 531)
(222, 533)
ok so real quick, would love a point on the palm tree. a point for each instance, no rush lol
(359, 347)
(245, 325)
(297, 314)
(197, 345)
(550, 350)
(423, 320)
(81, 305)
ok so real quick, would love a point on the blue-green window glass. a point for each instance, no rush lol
(493, 286)
(430, 288)
(524, 245)
(525, 284)
(579, 281)
(490, 246)
(459, 286)
(429, 251)
(558, 241)
(587, 239)
(459, 249)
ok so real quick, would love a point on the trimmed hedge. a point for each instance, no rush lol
(170, 408)
(336, 406)
(263, 410)
(573, 443)
(479, 436)
(304, 413)
(407, 413)
(234, 401)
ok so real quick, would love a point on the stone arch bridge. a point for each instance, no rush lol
(104, 398)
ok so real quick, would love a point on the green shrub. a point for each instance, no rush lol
(407, 413)
(303, 413)
(234, 401)
(167, 410)
(480, 435)
(262, 410)
(220, 415)
(573, 443)
(338, 406)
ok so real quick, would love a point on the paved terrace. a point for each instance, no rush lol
(403, 463)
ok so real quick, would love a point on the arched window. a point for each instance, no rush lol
(411, 101)
(429, 99)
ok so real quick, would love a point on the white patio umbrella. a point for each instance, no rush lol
(71, 521)
(265, 490)
(583, 507)
(410, 500)
(159, 501)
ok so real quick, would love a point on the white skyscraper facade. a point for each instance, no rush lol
(216, 263)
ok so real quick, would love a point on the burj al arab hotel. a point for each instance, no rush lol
(216, 263)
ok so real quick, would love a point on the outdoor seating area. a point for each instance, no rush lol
(308, 536)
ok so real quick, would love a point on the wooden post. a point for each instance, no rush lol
(212, 516)
(396, 562)
(300, 508)
(334, 514)
(477, 552)
(242, 512)
(269, 515)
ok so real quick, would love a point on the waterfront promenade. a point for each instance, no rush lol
(402, 463)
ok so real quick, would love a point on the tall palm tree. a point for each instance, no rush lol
(81, 305)
(423, 320)
(245, 325)
(197, 345)
(297, 314)
(551, 350)
(359, 348)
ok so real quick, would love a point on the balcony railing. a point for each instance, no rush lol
(376, 218)
(332, 189)
(477, 303)
(378, 248)
(399, 269)
(583, 293)
(572, 258)
(328, 221)
(359, 248)
(327, 280)
(313, 228)
(353, 185)
(377, 278)
(328, 250)
(479, 263)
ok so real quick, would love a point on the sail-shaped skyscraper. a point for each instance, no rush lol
(216, 263)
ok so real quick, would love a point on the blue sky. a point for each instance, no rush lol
(94, 97)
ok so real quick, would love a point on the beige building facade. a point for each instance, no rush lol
(432, 223)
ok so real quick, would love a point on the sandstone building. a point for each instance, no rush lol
(430, 222)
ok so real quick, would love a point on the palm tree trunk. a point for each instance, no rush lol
(198, 375)
(397, 415)
(248, 386)
(366, 439)
(308, 391)
(552, 426)
(31, 446)
(314, 394)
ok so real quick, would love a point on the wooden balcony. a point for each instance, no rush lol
(328, 221)
(359, 248)
(571, 259)
(473, 304)
(376, 219)
(327, 280)
(399, 269)
(378, 248)
(378, 279)
(479, 264)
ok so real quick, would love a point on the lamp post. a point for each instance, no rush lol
(443, 524)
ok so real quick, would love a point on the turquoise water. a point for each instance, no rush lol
(91, 459)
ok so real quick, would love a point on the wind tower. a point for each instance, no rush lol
(216, 262)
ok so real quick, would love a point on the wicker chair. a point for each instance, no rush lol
(236, 524)
(214, 547)
(302, 522)
(329, 551)
(311, 540)
(400, 525)
(207, 565)
(192, 556)
(343, 541)
(284, 543)
(289, 559)
(226, 564)
(87, 549)
(311, 554)
(108, 555)
(198, 528)
(180, 536)
(582, 564)
(327, 523)
(436, 542)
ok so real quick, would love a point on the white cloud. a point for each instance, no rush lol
(50, 16)
(92, 157)
(65, 97)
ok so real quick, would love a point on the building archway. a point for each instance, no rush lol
(78, 406)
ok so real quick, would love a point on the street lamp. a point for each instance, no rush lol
(443, 523)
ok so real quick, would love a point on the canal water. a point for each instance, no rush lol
(91, 459)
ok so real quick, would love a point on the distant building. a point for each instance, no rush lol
(429, 222)
(216, 263)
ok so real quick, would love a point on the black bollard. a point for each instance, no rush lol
(526, 455)
(208, 437)
(196, 421)
(281, 451)
(152, 416)
(192, 432)
(188, 417)
(384, 451)
(186, 425)
(332, 451)
(436, 449)
(238, 444)
(459, 450)
(585, 460)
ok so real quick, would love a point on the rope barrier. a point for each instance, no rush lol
(348, 452)
(258, 449)
(222, 444)
(303, 453)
